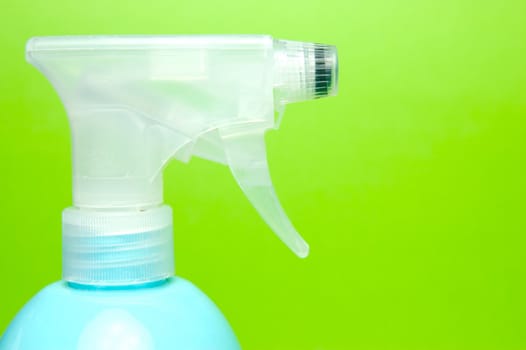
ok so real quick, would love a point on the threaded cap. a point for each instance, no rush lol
(117, 247)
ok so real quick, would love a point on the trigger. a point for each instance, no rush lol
(246, 156)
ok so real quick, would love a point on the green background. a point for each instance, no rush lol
(409, 186)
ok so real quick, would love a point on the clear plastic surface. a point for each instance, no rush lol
(117, 247)
(135, 102)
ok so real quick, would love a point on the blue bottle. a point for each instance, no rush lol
(169, 314)
(134, 103)
(123, 295)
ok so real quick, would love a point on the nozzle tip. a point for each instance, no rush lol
(325, 71)
(305, 71)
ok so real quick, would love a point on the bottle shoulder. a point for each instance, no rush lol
(61, 293)
(176, 311)
(172, 287)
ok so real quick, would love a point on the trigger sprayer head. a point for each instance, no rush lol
(136, 102)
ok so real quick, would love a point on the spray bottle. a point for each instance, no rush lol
(133, 104)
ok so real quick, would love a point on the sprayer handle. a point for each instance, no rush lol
(246, 156)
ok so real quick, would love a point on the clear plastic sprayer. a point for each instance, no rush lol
(135, 102)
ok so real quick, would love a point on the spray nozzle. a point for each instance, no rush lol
(135, 102)
(305, 71)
